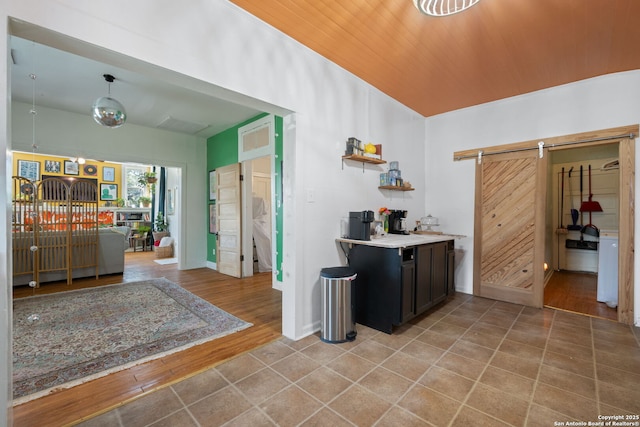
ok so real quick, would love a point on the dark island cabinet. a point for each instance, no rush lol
(395, 285)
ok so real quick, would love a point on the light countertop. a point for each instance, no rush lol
(401, 240)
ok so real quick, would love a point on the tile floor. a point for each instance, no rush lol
(470, 361)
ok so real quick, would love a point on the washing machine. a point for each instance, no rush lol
(608, 268)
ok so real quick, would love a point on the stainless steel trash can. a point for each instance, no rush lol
(338, 322)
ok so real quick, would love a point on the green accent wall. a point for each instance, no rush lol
(222, 150)
(278, 172)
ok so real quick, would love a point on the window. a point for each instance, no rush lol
(134, 189)
(257, 139)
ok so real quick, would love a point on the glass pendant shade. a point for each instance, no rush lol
(109, 112)
(443, 7)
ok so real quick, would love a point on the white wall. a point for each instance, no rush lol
(216, 43)
(599, 103)
(6, 293)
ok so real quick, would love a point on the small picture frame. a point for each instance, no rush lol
(109, 192)
(90, 170)
(108, 174)
(51, 166)
(213, 229)
(213, 188)
(171, 202)
(29, 169)
(71, 168)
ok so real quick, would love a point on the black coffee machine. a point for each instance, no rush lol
(398, 222)
(360, 225)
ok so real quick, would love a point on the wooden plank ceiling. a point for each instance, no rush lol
(496, 49)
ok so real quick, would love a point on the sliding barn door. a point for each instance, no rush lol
(509, 227)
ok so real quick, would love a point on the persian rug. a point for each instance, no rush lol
(65, 339)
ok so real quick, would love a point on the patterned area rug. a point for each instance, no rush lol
(85, 334)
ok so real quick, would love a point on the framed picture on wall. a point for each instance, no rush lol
(71, 168)
(108, 174)
(108, 191)
(28, 169)
(212, 219)
(90, 170)
(213, 188)
(51, 166)
(171, 203)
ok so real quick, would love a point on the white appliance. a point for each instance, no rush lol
(608, 268)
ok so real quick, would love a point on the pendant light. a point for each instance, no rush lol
(107, 111)
(443, 7)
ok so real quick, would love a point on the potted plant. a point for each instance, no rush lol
(160, 227)
(147, 178)
(143, 229)
(145, 201)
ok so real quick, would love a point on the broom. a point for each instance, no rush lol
(590, 205)
(562, 229)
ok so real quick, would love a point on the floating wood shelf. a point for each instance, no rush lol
(395, 188)
(364, 159)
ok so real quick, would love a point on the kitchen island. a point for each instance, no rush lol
(399, 276)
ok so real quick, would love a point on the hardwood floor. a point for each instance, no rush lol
(576, 292)
(251, 299)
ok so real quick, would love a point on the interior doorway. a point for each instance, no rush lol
(584, 203)
(256, 152)
(259, 220)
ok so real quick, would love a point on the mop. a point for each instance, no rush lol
(562, 229)
(574, 212)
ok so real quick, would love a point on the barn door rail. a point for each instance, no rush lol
(537, 145)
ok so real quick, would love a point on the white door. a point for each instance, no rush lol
(229, 217)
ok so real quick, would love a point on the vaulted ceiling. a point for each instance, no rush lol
(496, 49)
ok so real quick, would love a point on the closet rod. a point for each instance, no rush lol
(560, 144)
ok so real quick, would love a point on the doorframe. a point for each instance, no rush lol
(244, 157)
(247, 216)
(246, 249)
(626, 137)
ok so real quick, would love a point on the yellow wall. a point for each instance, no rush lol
(83, 169)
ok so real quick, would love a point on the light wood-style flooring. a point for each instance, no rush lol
(251, 299)
(576, 292)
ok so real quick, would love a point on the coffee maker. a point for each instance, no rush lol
(398, 222)
(360, 225)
